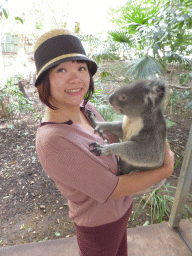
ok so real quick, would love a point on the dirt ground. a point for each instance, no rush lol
(31, 207)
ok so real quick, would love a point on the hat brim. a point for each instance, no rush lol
(41, 74)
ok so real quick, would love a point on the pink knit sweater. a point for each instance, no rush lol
(85, 180)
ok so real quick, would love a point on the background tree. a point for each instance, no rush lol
(4, 16)
(158, 35)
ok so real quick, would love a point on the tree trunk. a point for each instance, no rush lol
(22, 88)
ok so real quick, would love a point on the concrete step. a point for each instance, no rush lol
(152, 240)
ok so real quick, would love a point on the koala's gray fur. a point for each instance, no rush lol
(143, 129)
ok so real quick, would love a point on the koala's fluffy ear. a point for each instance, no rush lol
(150, 97)
(156, 94)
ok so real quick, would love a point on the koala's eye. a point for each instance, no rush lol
(122, 97)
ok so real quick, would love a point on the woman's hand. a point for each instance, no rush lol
(168, 159)
(133, 183)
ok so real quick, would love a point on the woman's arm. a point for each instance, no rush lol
(132, 183)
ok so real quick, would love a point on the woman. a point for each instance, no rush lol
(100, 201)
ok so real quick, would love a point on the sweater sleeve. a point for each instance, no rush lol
(75, 168)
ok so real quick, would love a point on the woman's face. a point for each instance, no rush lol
(69, 83)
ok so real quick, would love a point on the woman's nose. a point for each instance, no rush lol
(73, 78)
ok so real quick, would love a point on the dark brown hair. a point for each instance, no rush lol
(44, 87)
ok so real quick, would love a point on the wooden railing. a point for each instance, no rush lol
(183, 186)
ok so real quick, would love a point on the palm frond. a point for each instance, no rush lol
(132, 15)
(91, 40)
(143, 67)
(120, 36)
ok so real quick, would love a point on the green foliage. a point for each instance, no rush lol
(98, 98)
(160, 204)
(4, 11)
(174, 21)
(106, 50)
(121, 36)
(134, 20)
(133, 14)
(185, 78)
(19, 19)
(104, 55)
(91, 40)
(100, 101)
(12, 100)
(108, 113)
(143, 67)
(169, 123)
(163, 28)
(178, 161)
(57, 234)
(105, 74)
(180, 101)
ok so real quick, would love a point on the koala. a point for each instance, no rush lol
(142, 131)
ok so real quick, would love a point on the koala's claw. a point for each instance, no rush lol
(97, 148)
(92, 117)
(93, 144)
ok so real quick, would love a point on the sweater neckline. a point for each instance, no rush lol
(70, 122)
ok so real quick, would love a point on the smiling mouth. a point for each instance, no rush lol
(73, 90)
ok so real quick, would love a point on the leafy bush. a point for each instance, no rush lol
(12, 100)
(100, 100)
(185, 78)
(104, 55)
(159, 30)
(143, 67)
(180, 101)
(133, 14)
(160, 202)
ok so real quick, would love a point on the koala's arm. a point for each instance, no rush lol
(130, 184)
(133, 152)
(113, 127)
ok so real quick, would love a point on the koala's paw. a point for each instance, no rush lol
(98, 130)
(98, 149)
(92, 117)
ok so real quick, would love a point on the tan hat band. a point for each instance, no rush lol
(59, 58)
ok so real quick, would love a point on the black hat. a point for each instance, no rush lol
(55, 47)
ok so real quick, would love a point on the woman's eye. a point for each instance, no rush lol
(61, 70)
(82, 69)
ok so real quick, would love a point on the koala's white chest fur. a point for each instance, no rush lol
(131, 127)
